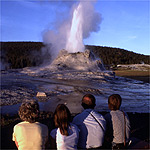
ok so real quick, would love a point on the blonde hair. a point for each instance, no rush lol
(29, 111)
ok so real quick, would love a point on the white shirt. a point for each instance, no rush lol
(30, 135)
(91, 133)
(66, 142)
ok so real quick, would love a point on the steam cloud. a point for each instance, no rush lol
(70, 33)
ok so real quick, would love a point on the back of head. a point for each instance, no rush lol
(88, 101)
(114, 102)
(62, 118)
(29, 111)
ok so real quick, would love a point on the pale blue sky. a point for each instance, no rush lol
(125, 24)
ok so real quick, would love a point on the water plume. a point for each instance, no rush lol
(71, 32)
(75, 35)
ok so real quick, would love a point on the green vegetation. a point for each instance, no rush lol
(27, 54)
(115, 56)
(21, 54)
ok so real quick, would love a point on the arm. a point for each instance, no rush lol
(16, 143)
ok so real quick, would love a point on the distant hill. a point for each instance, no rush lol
(27, 54)
(115, 56)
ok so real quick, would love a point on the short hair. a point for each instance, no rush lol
(62, 118)
(114, 101)
(88, 103)
(29, 111)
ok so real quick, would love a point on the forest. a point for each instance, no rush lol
(27, 54)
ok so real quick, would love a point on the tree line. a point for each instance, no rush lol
(115, 56)
(27, 54)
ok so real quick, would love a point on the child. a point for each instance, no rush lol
(66, 135)
(30, 134)
(118, 125)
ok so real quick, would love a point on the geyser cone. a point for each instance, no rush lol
(83, 61)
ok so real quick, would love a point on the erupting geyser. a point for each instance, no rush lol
(70, 33)
(75, 37)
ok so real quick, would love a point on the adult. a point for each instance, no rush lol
(92, 124)
(118, 124)
(66, 135)
(30, 134)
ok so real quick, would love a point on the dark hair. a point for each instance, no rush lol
(114, 101)
(62, 118)
(88, 103)
(29, 111)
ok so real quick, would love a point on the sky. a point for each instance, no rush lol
(123, 23)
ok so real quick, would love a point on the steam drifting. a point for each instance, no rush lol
(70, 33)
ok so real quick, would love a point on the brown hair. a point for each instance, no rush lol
(29, 111)
(88, 103)
(114, 101)
(62, 118)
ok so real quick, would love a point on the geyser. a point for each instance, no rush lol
(69, 34)
(75, 38)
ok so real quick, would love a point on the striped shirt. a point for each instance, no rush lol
(115, 125)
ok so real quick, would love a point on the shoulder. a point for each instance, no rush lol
(77, 117)
(97, 115)
(20, 124)
(43, 126)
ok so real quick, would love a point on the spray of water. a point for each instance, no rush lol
(70, 33)
(75, 35)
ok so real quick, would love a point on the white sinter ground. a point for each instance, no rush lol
(66, 80)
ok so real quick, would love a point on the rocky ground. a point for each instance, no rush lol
(64, 82)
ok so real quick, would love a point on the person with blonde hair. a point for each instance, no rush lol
(30, 134)
(66, 134)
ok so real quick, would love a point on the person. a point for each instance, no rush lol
(91, 124)
(30, 134)
(66, 135)
(118, 124)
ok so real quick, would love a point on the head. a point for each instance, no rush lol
(62, 118)
(88, 101)
(29, 111)
(114, 102)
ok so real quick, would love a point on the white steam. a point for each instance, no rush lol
(70, 33)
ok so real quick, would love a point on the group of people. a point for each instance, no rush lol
(87, 130)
